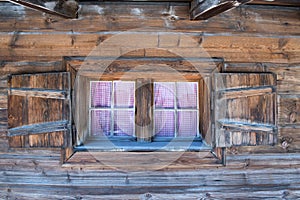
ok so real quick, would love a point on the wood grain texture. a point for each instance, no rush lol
(154, 14)
(234, 49)
(205, 109)
(250, 33)
(81, 105)
(142, 161)
(25, 67)
(287, 78)
(244, 67)
(289, 110)
(144, 114)
(244, 80)
(39, 175)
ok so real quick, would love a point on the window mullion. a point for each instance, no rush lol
(90, 110)
(144, 112)
(176, 111)
(112, 113)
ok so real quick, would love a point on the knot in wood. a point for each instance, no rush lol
(173, 17)
(147, 196)
(293, 117)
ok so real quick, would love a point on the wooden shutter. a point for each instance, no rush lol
(244, 109)
(39, 110)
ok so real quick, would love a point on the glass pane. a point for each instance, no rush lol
(187, 123)
(101, 94)
(187, 95)
(164, 95)
(123, 122)
(124, 94)
(164, 123)
(100, 122)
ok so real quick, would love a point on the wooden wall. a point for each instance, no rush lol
(250, 38)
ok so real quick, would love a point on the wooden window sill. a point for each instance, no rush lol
(129, 145)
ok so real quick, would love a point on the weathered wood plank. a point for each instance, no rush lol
(49, 94)
(289, 138)
(254, 49)
(130, 64)
(45, 193)
(243, 80)
(238, 135)
(244, 67)
(4, 145)
(3, 98)
(24, 67)
(41, 81)
(238, 125)
(288, 78)
(243, 19)
(17, 111)
(258, 109)
(289, 110)
(40, 128)
(233, 94)
(143, 161)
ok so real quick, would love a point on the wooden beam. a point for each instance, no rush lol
(204, 9)
(42, 8)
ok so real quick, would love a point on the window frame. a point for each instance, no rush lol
(207, 83)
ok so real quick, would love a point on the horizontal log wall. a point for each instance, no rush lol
(38, 175)
(250, 38)
(260, 33)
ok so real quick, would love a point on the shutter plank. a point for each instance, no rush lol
(245, 109)
(57, 139)
(227, 81)
(17, 116)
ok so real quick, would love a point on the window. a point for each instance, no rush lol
(176, 109)
(112, 109)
